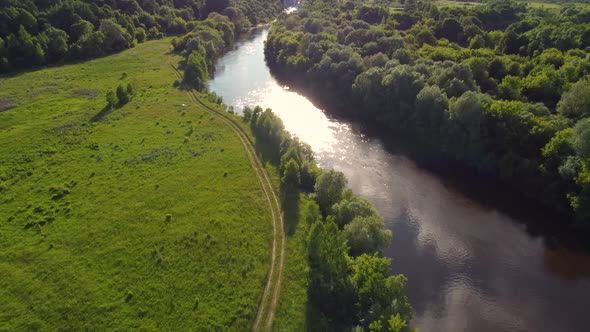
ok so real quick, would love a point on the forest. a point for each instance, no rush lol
(42, 32)
(500, 87)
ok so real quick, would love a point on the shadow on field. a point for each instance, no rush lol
(291, 214)
(100, 115)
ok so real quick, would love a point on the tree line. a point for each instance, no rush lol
(500, 86)
(350, 281)
(41, 32)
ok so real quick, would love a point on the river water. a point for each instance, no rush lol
(470, 266)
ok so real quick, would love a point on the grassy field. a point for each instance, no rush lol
(151, 218)
(293, 312)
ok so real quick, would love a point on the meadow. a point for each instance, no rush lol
(149, 216)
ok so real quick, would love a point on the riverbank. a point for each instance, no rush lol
(453, 248)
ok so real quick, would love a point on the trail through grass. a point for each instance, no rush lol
(149, 218)
(269, 301)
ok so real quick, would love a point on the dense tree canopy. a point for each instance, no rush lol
(38, 32)
(494, 85)
(349, 283)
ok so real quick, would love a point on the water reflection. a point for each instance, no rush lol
(471, 266)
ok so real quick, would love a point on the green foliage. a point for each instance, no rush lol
(349, 208)
(515, 76)
(112, 99)
(380, 300)
(122, 95)
(328, 261)
(430, 108)
(329, 189)
(331, 291)
(36, 33)
(140, 35)
(510, 88)
(154, 33)
(116, 38)
(575, 102)
(580, 139)
(366, 234)
(291, 179)
(196, 74)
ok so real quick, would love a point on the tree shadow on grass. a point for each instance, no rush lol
(100, 115)
(291, 214)
(265, 151)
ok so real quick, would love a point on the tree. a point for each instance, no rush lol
(430, 109)
(575, 102)
(425, 36)
(558, 149)
(196, 74)
(329, 188)
(89, 45)
(366, 234)
(581, 138)
(543, 87)
(116, 38)
(80, 29)
(24, 50)
(154, 33)
(468, 112)
(122, 95)
(111, 99)
(450, 29)
(328, 262)
(57, 46)
(478, 41)
(510, 88)
(380, 300)
(291, 179)
(349, 208)
(140, 35)
(551, 56)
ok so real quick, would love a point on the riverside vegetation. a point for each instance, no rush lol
(124, 208)
(40, 32)
(337, 279)
(499, 86)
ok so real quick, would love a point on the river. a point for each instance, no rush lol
(470, 265)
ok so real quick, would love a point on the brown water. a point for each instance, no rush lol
(471, 267)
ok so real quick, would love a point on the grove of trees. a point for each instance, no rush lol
(40, 32)
(349, 281)
(500, 86)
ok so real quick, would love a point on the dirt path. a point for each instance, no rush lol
(268, 303)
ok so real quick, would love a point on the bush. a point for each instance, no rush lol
(111, 99)
(195, 72)
(122, 95)
(140, 35)
(154, 33)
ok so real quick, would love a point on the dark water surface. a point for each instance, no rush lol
(471, 266)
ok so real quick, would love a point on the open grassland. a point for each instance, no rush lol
(150, 218)
(451, 3)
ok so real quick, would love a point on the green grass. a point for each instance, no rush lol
(150, 219)
(451, 3)
(555, 7)
(294, 312)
